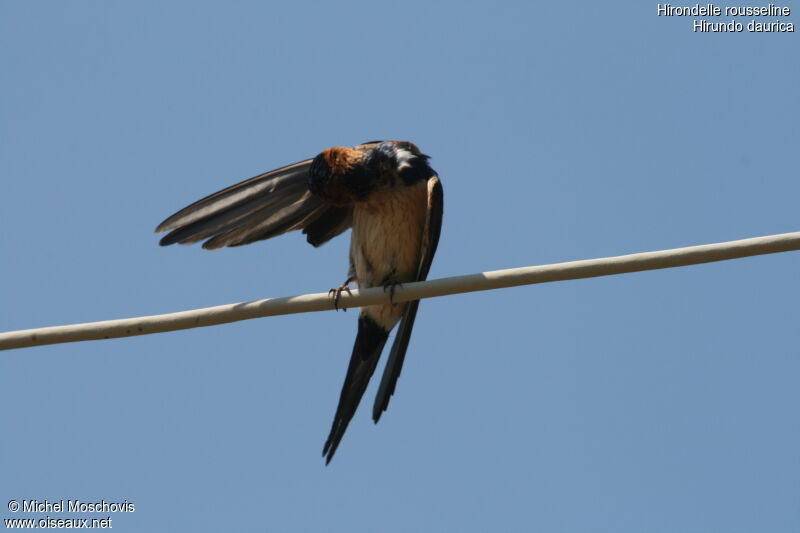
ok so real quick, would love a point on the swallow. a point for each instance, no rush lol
(387, 193)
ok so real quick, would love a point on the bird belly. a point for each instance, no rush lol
(386, 243)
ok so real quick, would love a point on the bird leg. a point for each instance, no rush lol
(390, 285)
(337, 293)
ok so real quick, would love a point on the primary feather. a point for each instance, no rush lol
(255, 209)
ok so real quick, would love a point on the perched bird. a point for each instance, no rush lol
(393, 201)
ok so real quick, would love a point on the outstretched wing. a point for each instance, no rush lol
(430, 239)
(265, 206)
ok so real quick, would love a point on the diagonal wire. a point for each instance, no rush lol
(221, 314)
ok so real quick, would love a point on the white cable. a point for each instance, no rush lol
(497, 279)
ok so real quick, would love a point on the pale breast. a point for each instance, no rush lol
(386, 241)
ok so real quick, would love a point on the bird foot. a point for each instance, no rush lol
(336, 294)
(390, 286)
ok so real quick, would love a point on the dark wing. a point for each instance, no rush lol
(259, 208)
(430, 239)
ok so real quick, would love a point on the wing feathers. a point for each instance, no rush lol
(225, 218)
(238, 193)
(328, 225)
(258, 208)
(269, 221)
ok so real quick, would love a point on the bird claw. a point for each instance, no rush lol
(391, 286)
(337, 293)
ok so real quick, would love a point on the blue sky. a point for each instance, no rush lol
(659, 401)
